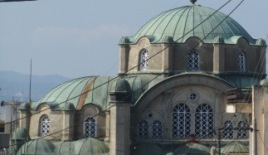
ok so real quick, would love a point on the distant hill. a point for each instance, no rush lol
(15, 85)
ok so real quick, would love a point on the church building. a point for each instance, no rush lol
(191, 81)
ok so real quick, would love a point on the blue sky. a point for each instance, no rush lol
(79, 38)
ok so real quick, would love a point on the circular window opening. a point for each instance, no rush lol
(193, 96)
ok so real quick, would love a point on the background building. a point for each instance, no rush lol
(191, 80)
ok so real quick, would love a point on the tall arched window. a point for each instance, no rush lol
(241, 62)
(192, 61)
(204, 121)
(90, 127)
(157, 130)
(143, 129)
(181, 126)
(144, 60)
(242, 130)
(228, 130)
(44, 125)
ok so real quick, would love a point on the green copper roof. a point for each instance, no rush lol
(234, 147)
(76, 93)
(192, 148)
(147, 149)
(38, 146)
(179, 24)
(169, 149)
(20, 133)
(88, 146)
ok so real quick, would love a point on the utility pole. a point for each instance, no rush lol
(219, 139)
(30, 84)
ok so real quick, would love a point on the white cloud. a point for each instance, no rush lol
(65, 35)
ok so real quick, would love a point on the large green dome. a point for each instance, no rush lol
(192, 21)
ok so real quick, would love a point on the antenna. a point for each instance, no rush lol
(30, 85)
(266, 40)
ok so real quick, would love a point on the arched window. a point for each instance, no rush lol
(192, 61)
(44, 125)
(181, 121)
(242, 130)
(204, 121)
(241, 62)
(144, 58)
(143, 129)
(228, 130)
(90, 127)
(157, 130)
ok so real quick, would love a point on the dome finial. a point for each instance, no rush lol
(193, 1)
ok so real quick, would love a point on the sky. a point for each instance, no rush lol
(79, 38)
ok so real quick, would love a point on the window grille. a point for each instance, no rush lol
(192, 63)
(228, 130)
(181, 121)
(144, 59)
(90, 127)
(143, 129)
(242, 130)
(44, 125)
(157, 130)
(204, 123)
(241, 62)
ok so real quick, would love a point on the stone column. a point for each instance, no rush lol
(107, 124)
(167, 59)
(120, 118)
(123, 59)
(259, 116)
(67, 123)
(218, 58)
(120, 129)
(24, 118)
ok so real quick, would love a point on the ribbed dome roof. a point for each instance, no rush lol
(77, 93)
(88, 146)
(192, 21)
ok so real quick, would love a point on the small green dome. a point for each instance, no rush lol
(21, 133)
(120, 91)
(192, 148)
(121, 85)
(234, 147)
(147, 149)
(264, 82)
(192, 21)
(261, 42)
(40, 146)
(25, 106)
